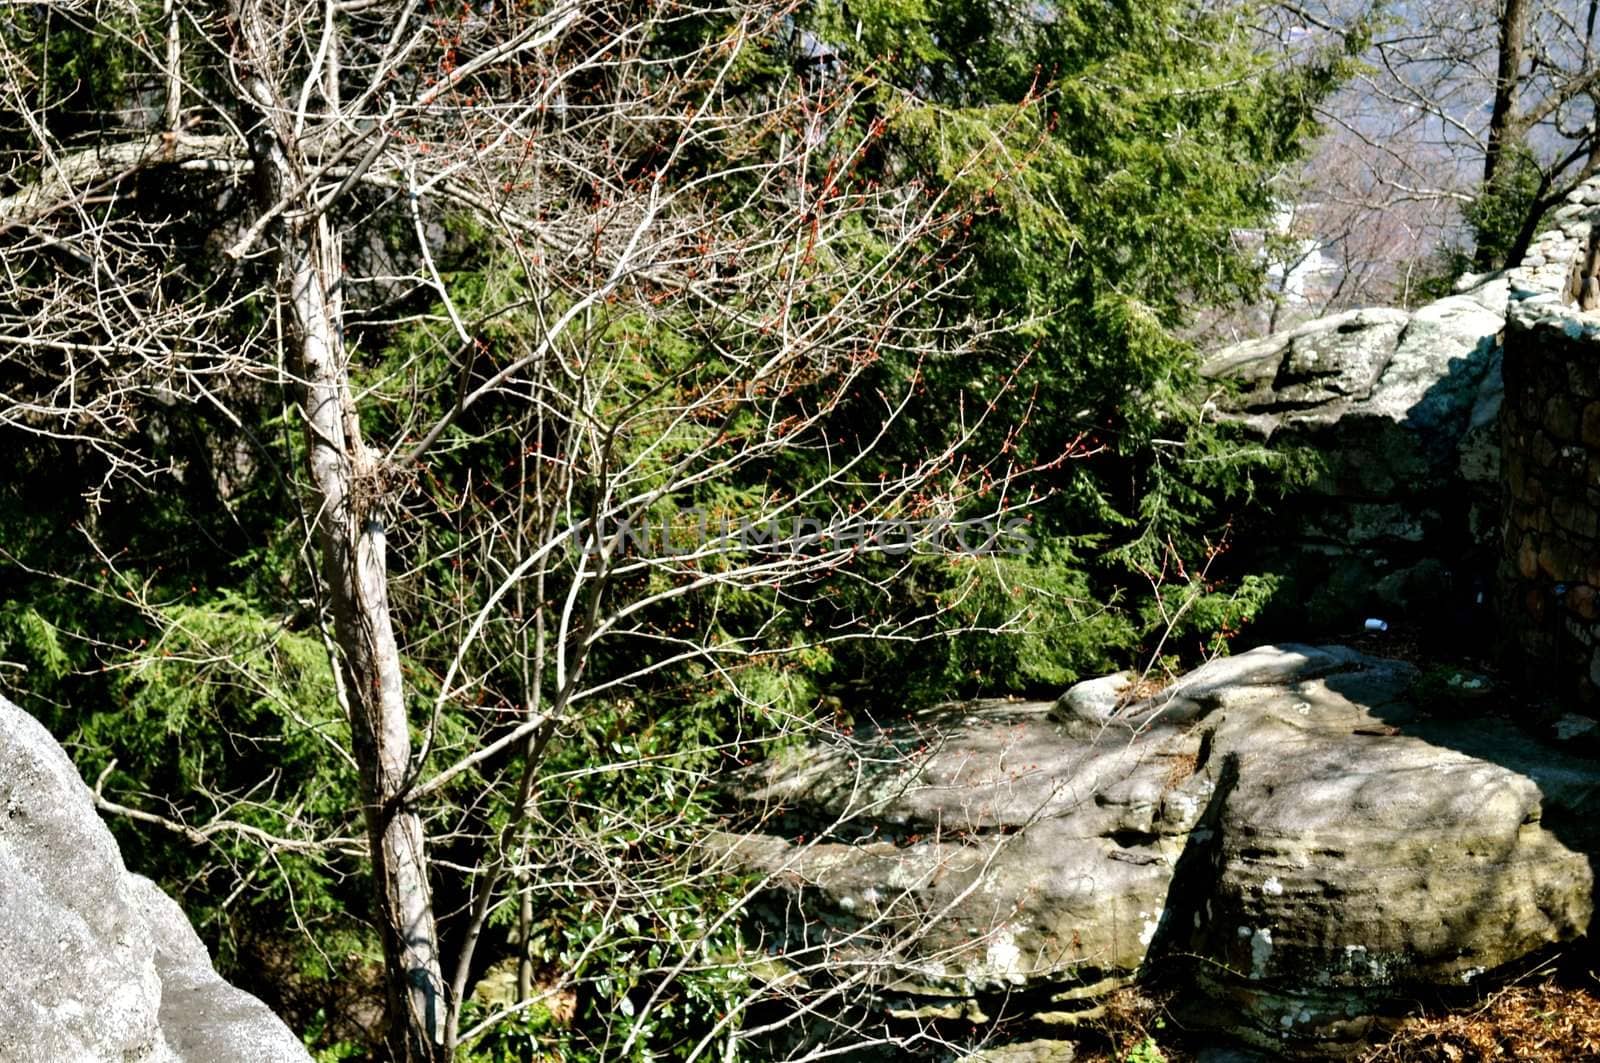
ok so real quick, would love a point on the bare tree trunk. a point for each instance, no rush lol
(1508, 75)
(1504, 131)
(347, 495)
(173, 111)
(1504, 125)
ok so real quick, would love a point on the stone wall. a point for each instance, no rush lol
(1550, 434)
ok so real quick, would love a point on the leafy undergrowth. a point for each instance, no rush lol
(1135, 1028)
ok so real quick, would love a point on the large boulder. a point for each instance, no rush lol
(1397, 409)
(1288, 828)
(1408, 382)
(97, 963)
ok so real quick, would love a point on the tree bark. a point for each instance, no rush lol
(1504, 123)
(1507, 79)
(347, 495)
(65, 181)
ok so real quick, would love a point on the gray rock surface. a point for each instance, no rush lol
(1098, 699)
(1419, 371)
(97, 963)
(1044, 1051)
(1398, 409)
(1284, 827)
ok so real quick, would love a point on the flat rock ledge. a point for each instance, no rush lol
(1295, 833)
(97, 963)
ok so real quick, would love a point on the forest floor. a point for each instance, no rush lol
(1549, 1017)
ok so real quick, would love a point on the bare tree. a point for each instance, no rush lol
(1455, 104)
(699, 281)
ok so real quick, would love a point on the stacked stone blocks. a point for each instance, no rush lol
(1550, 434)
